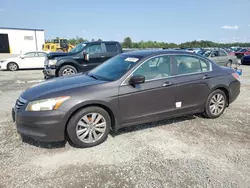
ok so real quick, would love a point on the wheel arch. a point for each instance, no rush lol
(225, 89)
(72, 63)
(95, 104)
(7, 64)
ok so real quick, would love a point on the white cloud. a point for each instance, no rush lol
(232, 27)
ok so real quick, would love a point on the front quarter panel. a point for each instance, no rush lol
(105, 95)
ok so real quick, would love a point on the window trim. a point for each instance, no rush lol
(125, 83)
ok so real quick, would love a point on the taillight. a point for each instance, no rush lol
(235, 75)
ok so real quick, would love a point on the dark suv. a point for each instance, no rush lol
(84, 57)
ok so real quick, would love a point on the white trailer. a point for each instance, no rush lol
(20, 40)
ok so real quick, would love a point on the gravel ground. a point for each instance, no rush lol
(181, 152)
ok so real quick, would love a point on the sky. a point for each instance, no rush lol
(157, 20)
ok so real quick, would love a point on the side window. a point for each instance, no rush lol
(30, 54)
(111, 47)
(215, 54)
(40, 54)
(221, 53)
(205, 66)
(184, 64)
(93, 49)
(155, 68)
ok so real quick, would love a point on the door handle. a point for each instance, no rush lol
(206, 77)
(167, 84)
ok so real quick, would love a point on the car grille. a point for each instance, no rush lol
(20, 103)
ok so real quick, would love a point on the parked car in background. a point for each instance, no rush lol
(229, 51)
(244, 51)
(221, 57)
(85, 56)
(128, 89)
(245, 60)
(29, 60)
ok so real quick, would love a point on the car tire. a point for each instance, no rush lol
(83, 134)
(216, 100)
(229, 63)
(67, 70)
(12, 66)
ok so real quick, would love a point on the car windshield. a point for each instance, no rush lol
(78, 48)
(114, 68)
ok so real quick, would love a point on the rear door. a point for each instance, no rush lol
(40, 59)
(222, 58)
(112, 49)
(192, 76)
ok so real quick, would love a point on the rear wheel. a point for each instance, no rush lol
(229, 63)
(89, 127)
(12, 66)
(67, 70)
(215, 104)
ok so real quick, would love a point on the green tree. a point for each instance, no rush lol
(127, 43)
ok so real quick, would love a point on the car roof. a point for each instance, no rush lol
(146, 53)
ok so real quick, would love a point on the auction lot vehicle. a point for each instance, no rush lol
(29, 60)
(82, 58)
(128, 89)
(245, 60)
(244, 51)
(221, 57)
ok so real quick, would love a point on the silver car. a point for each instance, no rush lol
(221, 57)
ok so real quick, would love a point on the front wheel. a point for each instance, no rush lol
(215, 104)
(12, 66)
(89, 127)
(67, 70)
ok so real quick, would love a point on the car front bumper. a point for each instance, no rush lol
(49, 72)
(44, 126)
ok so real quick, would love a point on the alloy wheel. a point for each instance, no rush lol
(217, 104)
(68, 71)
(91, 127)
(13, 67)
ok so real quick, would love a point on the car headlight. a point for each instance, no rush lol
(46, 104)
(52, 62)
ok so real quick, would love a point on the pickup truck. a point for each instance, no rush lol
(84, 57)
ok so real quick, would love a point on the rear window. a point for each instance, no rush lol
(112, 47)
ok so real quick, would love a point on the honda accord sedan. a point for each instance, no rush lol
(128, 89)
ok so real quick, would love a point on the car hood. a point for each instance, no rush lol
(9, 59)
(59, 84)
(246, 57)
(52, 55)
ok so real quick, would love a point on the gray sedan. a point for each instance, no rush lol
(221, 57)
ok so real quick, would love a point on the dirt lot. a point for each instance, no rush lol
(182, 152)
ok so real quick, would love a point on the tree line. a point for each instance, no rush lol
(128, 43)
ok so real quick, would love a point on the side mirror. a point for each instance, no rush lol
(22, 56)
(86, 56)
(137, 79)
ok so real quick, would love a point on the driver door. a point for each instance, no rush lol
(96, 52)
(28, 60)
(151, 99)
